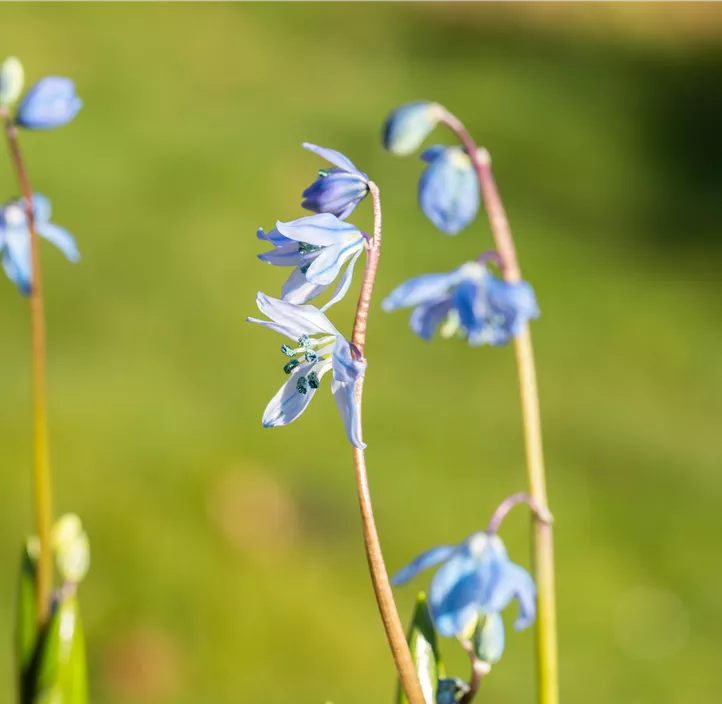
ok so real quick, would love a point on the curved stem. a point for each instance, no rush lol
(479, 669)
(379, 577)
(41, 474)
(547, 666)
(502, 511)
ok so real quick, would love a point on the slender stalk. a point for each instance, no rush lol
(547, 665)
(479, 669)
(502, 511)
(379, 577)
(41, 474)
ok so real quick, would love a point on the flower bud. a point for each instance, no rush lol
(488, 638)
(407, 127)
(51, 102)
(72, 548)
(12, 79)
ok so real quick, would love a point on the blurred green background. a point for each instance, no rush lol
(227, 559)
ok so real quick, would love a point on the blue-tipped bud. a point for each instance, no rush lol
(51, 102)
(337, 192)
(449, 188)
(12, 79)
(407, 127)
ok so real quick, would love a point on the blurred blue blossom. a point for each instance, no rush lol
(470, 302)
(408, 126)
(476, 580)
(451, 690)
(449, 188)
(15, 239)
(337, 190)
(51, 102)
(318, 348)
(317, 247)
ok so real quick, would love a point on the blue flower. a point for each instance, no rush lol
(338, 190)
(449, 188)
(319, 348)
(469, 301)
(51, 102)
(409, 125)
(476, 580)
(318, 247)
(15, 239)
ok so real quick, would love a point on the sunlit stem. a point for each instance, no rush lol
(41, 474)
(379, 577)
(547, 666)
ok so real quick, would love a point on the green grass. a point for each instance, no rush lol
(227, 559)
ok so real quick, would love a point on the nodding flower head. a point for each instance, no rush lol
(15, 239)
(317, 247)
(449, 188)
(51, 102)
(337, 190)
(470, 302)
(317, 348)
(408, 126)
(476, 581)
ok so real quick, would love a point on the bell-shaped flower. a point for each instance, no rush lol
(408, 126)
(15, 239)
(318, 347)
(318, 247)
(477, 580)
(449, 188)
(337, 190)
(470, 302)
(51, 102)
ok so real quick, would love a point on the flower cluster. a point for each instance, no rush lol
(317, 248)
(51, 102)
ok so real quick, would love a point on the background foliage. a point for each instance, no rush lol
(227, 563)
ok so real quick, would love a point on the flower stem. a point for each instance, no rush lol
(479, 669)
(502, 511)
(379, 577)
(41, 474)
(547, 666)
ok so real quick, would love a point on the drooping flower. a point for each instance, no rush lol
(337, 190)
(318, 348)
(51, 102)
(477, 580)
(15, 239)
(317, 247)
(409, 125)
(470, 302)
(449, 188)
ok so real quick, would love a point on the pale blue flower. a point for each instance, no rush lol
(51, 102)
(337, 190)
(470, 302)
(476, 580)
(317, 247)
(318, 347)
(409, 125)
(15, 239)
(449, 188)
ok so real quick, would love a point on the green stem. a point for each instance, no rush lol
(379, 577)
(41, 474)
(547, 665)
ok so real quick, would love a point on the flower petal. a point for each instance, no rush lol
(427, 287)
(346, 368)
(345, 397)
(514, 582)
(337, 193)
(489, 642)
(322, 229)
(51, 102)
(286, 254)
(298, 290)
(17, 260)
(288, 404)
(60, 237)
(41, 207)
(307, 320)
(273, 236)
(343, 283)
(433, 556)
(334, 157)
(426, 318)
(449, 191)
(327, 265)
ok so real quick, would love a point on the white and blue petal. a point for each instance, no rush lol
(336, 192)
(427, 559)
(297, 289)
(343, 283)
(449, 191)
(427, 287)
(17, 259)
(322, 229)
(489, 640)
(426, 317)
(514, 582)
(328, 263)
(288, 404)
(273, 236)
(302, 320)
(287, 254)
(334, 157)
(347, 403)
(454, 595)
(60, 237)
(346, 368)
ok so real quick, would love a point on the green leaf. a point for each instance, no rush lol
(424, 652)
(62, 672)
(26, 631)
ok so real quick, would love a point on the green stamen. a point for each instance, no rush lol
(288, 351)
(301, 385)
(313, 381)
(290, 366)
